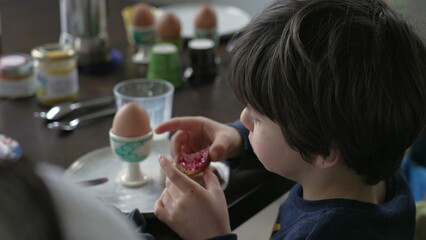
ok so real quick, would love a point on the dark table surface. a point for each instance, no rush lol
(29, 23)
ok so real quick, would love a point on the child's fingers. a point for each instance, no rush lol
(223, 142)
(216, 151)
(167, 199)
(182, 182)
(173, 191)
(179, 140)
(160, 210)
(210, 180)
(177, 123)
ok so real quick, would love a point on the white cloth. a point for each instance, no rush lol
(81, 215)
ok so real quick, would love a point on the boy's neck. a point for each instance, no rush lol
(344, 185)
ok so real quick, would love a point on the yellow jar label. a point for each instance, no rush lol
(55, 54)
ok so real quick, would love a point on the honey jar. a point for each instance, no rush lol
(56, 73)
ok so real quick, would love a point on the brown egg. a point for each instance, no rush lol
(205, 18)
(168, 27)
(142, 15)
(131, 120)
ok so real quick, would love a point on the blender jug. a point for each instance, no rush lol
(84, 26)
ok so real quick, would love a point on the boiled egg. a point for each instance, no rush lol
(205, 18)
(168, 27)
(142, 15)
(131, 120)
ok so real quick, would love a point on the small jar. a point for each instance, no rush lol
(56, 73)
(16, 76)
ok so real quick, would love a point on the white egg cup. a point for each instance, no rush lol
(132, 151)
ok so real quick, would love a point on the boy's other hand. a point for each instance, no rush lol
(184, 202)
(196, 133)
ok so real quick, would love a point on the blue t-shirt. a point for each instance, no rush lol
(349, 219)
(343, 218)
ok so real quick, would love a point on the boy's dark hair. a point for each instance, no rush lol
(349, 74)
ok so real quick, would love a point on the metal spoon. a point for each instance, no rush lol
(63, 109)
(71, 125)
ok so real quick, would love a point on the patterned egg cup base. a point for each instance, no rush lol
(132, 151)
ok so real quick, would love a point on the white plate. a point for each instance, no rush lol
(103, 163)
(230, 18)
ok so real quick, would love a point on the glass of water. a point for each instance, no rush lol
(155, 95)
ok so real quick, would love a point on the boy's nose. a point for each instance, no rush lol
(246, 119)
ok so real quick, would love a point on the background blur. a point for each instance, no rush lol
(415, 10)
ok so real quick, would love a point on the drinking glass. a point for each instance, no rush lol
(155, 95)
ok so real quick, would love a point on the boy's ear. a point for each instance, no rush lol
(329, 161)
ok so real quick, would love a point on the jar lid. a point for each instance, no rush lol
(201, 44)
(53, 51)
(164, 48)
(15, 65)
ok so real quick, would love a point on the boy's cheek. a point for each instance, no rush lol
(256, 145)
(250, 137)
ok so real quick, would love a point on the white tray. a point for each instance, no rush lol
(230, 19)
(103, 163)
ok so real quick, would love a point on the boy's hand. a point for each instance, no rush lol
(196, 133)
(189, 209)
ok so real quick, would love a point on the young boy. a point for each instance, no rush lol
(335, 92)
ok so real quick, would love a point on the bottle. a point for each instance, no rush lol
(56, 73)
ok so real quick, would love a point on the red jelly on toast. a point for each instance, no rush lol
(193, 163)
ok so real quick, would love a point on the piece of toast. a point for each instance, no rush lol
(193, 163)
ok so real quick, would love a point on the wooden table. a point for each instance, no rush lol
(29, 23)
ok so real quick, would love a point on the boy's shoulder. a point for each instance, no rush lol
(349, 219)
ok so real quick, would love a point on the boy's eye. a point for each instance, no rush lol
(255, 120)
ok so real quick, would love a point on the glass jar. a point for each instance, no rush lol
(16, 76)
(56, 73)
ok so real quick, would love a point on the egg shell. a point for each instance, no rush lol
(131, 120)
(168, 27)
(205, 17)
(142, 15)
